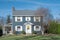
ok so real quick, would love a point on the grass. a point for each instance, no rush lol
(38, 37)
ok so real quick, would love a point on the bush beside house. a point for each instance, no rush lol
(34, 32)
(23, 32)
(54, 28)
(58, 28)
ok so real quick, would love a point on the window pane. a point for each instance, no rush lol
(37, 28)
(18, 28)
(37, 19)
(18, 19)
(28, 18)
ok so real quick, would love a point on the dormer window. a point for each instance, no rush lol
(18, 19)
(28, 18)
(36, 19)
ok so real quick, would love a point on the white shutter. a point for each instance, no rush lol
(15, 28)
(34, 19)
(21, 18)
(34, 28)
(39, 19)
(15, 18)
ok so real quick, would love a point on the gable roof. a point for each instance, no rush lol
(27, 13)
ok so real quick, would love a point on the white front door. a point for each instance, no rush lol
(28, 28)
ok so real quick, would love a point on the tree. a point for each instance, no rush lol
(46, 17)
(45, 12)
(8, 19)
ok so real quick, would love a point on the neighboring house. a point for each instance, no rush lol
(28, 21)
(7, 28)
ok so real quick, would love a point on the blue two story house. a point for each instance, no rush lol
(27, 20)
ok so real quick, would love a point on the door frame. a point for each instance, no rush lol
(27, 29)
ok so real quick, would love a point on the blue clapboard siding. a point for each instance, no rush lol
(24, 21)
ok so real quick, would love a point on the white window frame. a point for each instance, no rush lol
(37, 18)
(18, 29)
(28, 18)
(38, 29)
(18, 18)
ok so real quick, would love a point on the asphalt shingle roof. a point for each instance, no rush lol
(26, 13)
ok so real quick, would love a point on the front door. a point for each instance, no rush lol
(28, 28)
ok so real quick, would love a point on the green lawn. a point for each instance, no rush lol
(57, 37)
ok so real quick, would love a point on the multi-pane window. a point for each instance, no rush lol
(37, 28)
(18, 19)
(28, 18)
(36, 19)
(18, 28)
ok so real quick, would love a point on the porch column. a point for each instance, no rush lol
(12, 29)
(3, 29)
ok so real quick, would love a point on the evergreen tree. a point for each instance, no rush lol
(8, 19)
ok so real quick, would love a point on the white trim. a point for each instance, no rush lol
(16, 29)
(18, 18)
(28, 30)
(28, 18)
(28, 23)
(37, 17)
(26, 15)
(39, 29)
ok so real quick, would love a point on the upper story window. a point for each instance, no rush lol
(18, 19)
(36, 19)
(28, 18)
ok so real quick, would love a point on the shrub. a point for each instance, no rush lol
(58, 28)
(23, 32)
(34, 32)
(54, 28)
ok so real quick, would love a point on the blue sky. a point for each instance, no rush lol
(6, 6)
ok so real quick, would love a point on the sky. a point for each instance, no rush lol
(52, 5)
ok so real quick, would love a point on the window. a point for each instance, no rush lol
(37, 28)
(18, 19)
(28, 18)
(18, 28)
(36, 19)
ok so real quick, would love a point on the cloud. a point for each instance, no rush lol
(38, 3)
(34, 2)
(46, 4)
